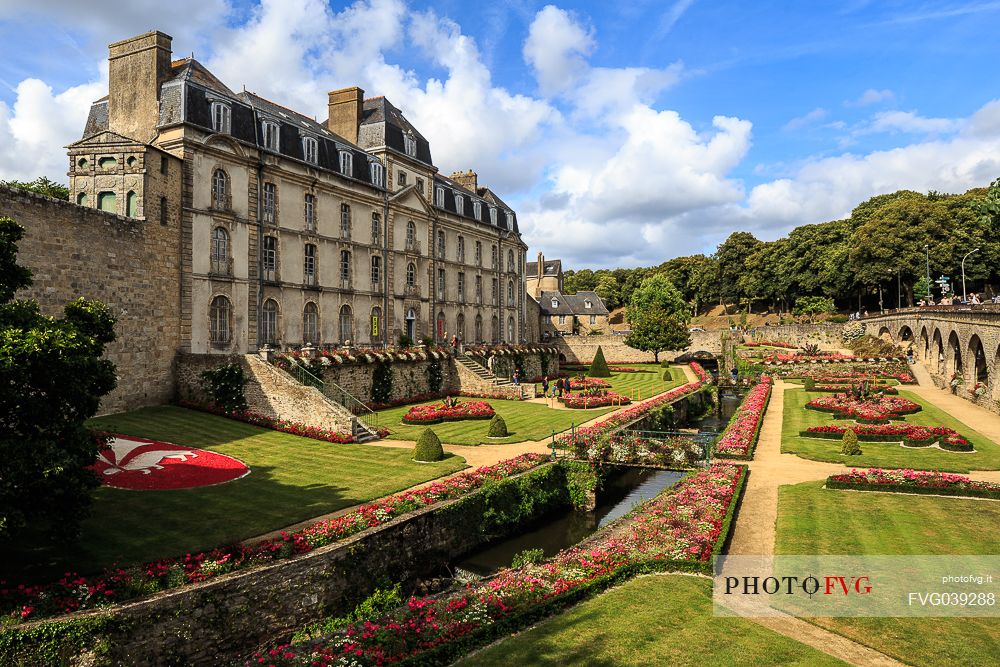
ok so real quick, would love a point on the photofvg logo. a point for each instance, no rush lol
(859, 586)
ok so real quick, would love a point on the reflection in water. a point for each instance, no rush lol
(621, 494)
(716, 421)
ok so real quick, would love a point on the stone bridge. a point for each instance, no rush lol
(948, 340)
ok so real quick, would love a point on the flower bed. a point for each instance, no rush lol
(631, 448)
(679, 530)
(858, 369)
(913, 481)
(581, 383)
(841, 388)
(276, 424)
(874, 410)
(73, 592)
(593, 399)
(798, 358)
(440, 412)
(627, 369)
(909, 434)
(769, 343)
(591, 434)
(739, 440)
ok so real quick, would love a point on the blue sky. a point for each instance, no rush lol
(623, 133)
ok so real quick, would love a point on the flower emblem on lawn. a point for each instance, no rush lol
(136, 463)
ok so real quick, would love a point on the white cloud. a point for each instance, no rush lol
(871, 96)
(911, 122)
(804, 120)
(555, 49)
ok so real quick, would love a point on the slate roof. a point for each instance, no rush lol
(553, 267)
(571, 304)
(484, 195)
(383, 124)
(97, 120)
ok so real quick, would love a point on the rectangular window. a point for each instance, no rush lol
(494, 291)
(376, 225)
(376, 273)
(461, 286)
(420, 186)
(439, 197)
(309, 149)
(309, 265)
(345, 268)
(479, 253)
(441, 245)
(345, 221)
(562, 319)
(593, 319)
(460, 204)
(270, 258)
(410, 145)
(270, 203)
(493, 216)
(479, 289)
(269, 133)
(377, 174)
(310, 212)
(346, 163)
(401, 178)
(494, 257)
(477, 210)
(164, 164)
(461, 249)
(510, 221)
(440, 285)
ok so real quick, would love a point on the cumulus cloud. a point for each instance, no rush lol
(556, 48)
(871, 96)
(911, 122)
(804, 120)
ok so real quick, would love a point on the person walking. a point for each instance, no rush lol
(559, 386)
(545, 385)
(454, 344)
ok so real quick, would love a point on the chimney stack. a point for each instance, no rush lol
(541, 264)
(468, 180)
(137, 67)
(345, 107)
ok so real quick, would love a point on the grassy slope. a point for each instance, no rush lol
(657, 620)
(813, 520)
(530, 421)
(292, 479)
(884, 454)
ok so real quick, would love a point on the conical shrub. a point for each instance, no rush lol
(498, 427)
(667, 377)
(851, 446)
(599, 367)
(428, 447)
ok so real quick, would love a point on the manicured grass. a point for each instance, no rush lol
(292, 479)
(648, 382)
(525, 421)
(653, 620)
(884, 454)
(813, 520)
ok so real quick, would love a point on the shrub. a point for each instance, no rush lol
(851, 446)
(599, 367)
(527, 557)
(498, 427)
(225, 385)
(428, 447)
(667, 377)
(664, 364)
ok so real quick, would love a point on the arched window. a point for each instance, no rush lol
(131, 161)
(220, 190)
(376, 320)
(309, 149)
(510, 330)
(411, 235)
(269, 323)
(411, 274)
(131, 204)
(82, 200)
(376, 273)
(220, 251)
(411, 324)
(107, 201)
(310, 324)
(460, 325)
(346, 324)
(82, 163)
(495, 330)
(479, 328)
(510, 292)
(441, 330)
(219, 314)
(346, 163)
(510, 261)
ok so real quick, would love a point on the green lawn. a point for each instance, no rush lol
(654, 620)
(813, 520)
(292, 479)
(648, 382)
(884, 454)
(525, 421)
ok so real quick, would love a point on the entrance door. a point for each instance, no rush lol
(411, 325)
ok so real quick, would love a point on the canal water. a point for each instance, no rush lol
(716, 420)
(621, 493)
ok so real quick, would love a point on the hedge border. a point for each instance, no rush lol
(914, 489)
(903, 440)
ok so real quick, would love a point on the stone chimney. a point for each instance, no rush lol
(137, 67)
(541, 264)
(345, 107)
(468, 179)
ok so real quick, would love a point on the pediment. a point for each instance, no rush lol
(105, 138)
(409, 198)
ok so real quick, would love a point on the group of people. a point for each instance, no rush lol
(557, 387)
(973, 300)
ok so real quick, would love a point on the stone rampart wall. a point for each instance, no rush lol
(131, 265)
(581, 349)
(826, 336)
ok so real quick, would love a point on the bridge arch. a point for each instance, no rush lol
(979, 370)
(925, 343)
(937, 351)
(953, 356)
(884, 331)
(905, 334)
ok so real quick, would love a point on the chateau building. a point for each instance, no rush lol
(558, 313)
(291, 231)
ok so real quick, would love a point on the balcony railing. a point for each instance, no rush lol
(413, 246)
(221, 266)
(411, 290)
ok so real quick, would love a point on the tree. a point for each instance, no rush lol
(657, 291)
(813, 305)
(655, 330)
(599, 367)
(732, 256)
(607, 289)
(40, 186)
(53, 379)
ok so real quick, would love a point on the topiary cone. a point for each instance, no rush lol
(599, 367)
(498, 427)
(428, 447)
(851, 446)
(666, 375)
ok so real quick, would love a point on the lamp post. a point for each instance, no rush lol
(927, 258)
(964, 298)
(899, 289)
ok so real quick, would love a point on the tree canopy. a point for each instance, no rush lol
(40, 186)
(658, 316)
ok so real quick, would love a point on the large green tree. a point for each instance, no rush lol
(658, 316)
(732, 256)
(53, 379)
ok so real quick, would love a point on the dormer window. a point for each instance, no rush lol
(410, 145)
(439, 197)
(587, 304)
(460, 204)
(221, 115)
(493, 216)
(477, 210)
(510, 221)
(346, 163)
(378, 175)
(555, 303)
(309, 149)
(269, 133)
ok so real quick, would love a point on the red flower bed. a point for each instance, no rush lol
(770, 343)
(73, 592)
(740, 437)
(909, 434)
(678, 530)
(913, 481)
(841, 388)
(874, 410)
(581, 383)
(128, 462)
(283, 425)
(598, 399)
(439, 412)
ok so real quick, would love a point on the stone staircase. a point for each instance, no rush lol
(481, 371)
(474, 377)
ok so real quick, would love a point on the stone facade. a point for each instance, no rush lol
(129, 264)
(826, 336)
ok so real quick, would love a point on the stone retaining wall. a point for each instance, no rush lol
(826, 336)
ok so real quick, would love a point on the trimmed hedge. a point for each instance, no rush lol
(428, 447)
(913, 488)
(599, 367)
(498, 428)
(906, 442)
